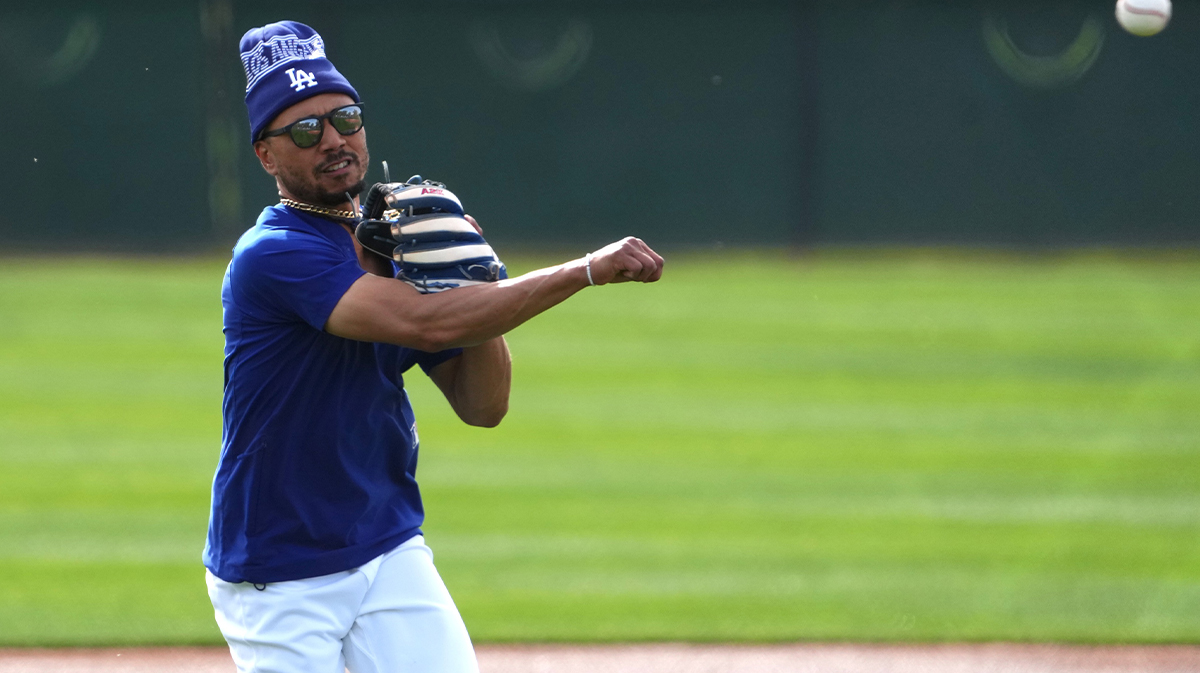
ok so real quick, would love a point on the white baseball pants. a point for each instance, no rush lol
(392, 615)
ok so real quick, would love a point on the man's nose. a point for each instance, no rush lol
(330, 138)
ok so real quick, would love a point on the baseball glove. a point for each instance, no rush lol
(420, 226)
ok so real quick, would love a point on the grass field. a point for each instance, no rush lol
(852, 446)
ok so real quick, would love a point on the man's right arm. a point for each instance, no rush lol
(390, 311)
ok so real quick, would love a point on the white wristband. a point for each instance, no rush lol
(588, 257)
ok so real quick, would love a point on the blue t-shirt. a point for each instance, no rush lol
(319, 449)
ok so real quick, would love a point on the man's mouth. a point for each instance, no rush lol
(333, 168)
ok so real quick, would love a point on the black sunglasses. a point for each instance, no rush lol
(308, 131)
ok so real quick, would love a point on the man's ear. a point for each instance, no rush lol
(265, 157)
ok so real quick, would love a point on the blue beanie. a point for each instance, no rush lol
(285, 63)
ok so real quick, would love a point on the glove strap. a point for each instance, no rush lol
(588, 257)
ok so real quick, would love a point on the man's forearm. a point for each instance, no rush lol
(387, 310)
(473, 318)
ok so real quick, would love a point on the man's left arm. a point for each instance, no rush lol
(477, 382)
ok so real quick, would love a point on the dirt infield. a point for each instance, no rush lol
(678, 658)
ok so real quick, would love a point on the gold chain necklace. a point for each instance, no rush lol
(317, 210)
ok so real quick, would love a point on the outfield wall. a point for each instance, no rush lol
(570, 123)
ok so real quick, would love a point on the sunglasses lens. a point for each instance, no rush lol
(307, 132)
(347, 120)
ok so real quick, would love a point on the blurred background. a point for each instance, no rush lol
(925, 364)
(984, 122)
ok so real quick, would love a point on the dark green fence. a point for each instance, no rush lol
(889, 122)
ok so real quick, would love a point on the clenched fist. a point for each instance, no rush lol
(629, 259)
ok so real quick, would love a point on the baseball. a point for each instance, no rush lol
(1143, 17)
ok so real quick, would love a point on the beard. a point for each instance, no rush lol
(305, 186)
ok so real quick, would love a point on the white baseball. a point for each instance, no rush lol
(1143, 17)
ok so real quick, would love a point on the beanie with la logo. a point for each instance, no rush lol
(285, 63)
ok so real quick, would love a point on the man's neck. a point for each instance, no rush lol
(350, 205)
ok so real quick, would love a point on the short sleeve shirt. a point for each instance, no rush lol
(319, 446)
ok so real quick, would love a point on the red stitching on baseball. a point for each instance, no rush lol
(1144, 12)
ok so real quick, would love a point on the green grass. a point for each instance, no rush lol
(866, 446)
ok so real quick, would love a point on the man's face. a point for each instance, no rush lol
(321, 174)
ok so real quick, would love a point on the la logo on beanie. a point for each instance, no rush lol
(301, 79)
(285, 63)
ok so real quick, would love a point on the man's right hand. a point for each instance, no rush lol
(629, 259)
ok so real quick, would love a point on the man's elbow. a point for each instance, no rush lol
(426, 327)
(486, 418)
(433, 340)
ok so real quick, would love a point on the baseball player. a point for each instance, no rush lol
(315, 558)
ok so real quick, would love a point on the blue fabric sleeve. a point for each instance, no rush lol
(430, 360)
(289, 275)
